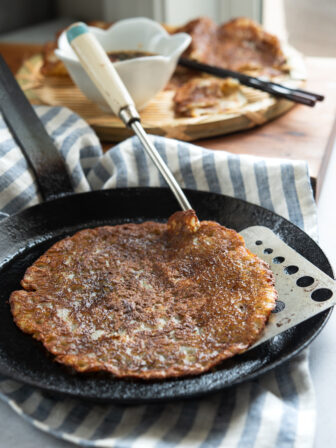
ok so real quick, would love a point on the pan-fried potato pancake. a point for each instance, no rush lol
(146, 300)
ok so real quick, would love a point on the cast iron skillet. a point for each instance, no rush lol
(26, 235)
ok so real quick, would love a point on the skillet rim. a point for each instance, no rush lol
(110, 193)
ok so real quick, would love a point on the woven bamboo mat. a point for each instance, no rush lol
(158, 116)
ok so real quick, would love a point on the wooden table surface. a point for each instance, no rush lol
(303, 133)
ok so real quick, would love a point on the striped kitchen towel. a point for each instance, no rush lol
(275, 410)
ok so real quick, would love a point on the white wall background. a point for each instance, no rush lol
(174, 12)
(308, 25)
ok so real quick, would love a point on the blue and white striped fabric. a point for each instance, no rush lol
(275, 410)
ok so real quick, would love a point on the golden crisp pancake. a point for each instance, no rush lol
(240, 44)
(146, 300)
(204, 96)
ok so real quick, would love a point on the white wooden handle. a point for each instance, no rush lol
(100, 69)
(98, 66)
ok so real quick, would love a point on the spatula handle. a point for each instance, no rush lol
(98, 66)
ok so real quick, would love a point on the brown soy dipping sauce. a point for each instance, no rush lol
(118, 56)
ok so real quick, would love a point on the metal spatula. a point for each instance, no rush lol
(303, 289)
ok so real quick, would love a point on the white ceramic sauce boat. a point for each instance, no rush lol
(144, 77)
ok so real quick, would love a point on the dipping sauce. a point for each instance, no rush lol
(124, 55)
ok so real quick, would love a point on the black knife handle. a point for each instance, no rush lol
(29, 133)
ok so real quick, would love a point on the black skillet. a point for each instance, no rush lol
(26, 235)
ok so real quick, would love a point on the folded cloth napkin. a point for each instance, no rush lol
(275, 410)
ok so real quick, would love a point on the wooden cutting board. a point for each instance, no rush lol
(158, 117)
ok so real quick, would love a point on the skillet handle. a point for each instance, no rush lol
(29, 133)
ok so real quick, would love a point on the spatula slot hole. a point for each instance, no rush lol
(279, 306)
(268, 250)
(322, 294)
(305, 281)
(258, 243)
(278, 260)
(290, 270)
